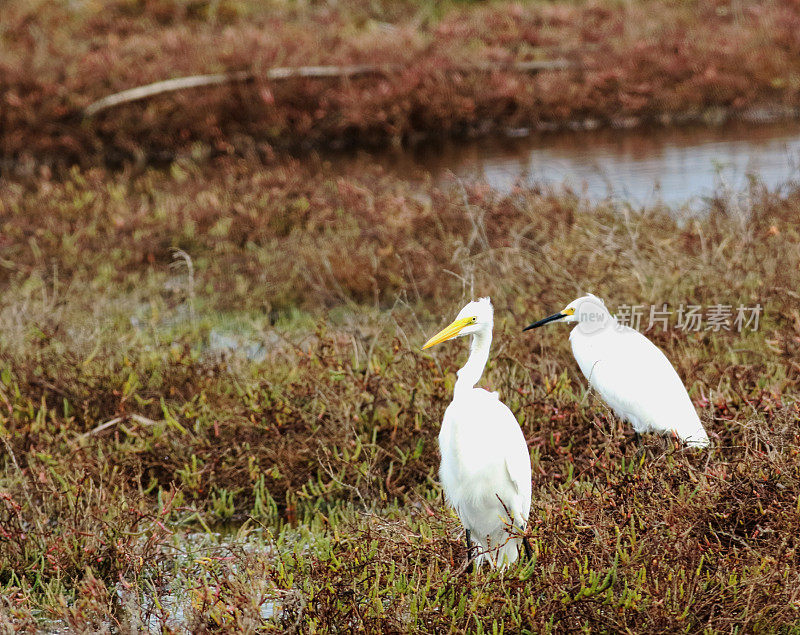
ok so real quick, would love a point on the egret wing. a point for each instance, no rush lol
(638, 381)
(517, 464)
(484, 457)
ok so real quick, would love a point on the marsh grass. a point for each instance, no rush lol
(125, 432)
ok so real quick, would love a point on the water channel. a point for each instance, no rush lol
(677, 167)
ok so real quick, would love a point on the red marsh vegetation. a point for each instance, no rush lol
(448, 69)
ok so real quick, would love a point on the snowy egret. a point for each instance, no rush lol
(632, 374)
(486, 466)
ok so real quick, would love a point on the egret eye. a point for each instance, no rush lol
(474, 319)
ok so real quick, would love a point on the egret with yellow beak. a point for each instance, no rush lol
(486, 467)
(632, 375)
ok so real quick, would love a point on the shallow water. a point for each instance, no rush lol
(676, 167)
(168, 608)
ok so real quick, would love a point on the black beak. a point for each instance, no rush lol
(543, 321)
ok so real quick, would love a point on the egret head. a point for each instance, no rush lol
(477, 316)
(589, 311)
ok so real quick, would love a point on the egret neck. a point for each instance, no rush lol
(471, 372)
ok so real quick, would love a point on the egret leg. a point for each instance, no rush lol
(528, 550)
(638, 439)
(471, 565)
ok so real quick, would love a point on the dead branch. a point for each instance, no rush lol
(198, 81)
(145, 421)
(284, 73)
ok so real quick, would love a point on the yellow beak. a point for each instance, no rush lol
(447, 333)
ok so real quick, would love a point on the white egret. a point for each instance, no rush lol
(486, 467)
(632, 374)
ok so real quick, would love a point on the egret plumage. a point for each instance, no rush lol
(631, 374)
(486, 467)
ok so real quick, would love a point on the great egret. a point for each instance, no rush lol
(631, 373)
(486, 466)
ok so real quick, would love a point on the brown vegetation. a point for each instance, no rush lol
(231, 344)
(654, 61)
(328, 443)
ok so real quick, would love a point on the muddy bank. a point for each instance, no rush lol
(449, 71)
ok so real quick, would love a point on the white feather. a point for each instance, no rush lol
(635, 378)
(486, 471)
